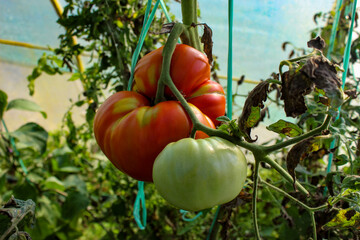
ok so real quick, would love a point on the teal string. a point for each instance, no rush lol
(140, 204)
(163, 7)
(346, 66)
(144, 31)
(229, 67)
(184, 213)
(16, 152)
(334, 29)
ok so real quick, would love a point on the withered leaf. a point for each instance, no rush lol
(351, 93)
(206, 39)
(317, 43)
(252, 106)
(294, 87)
(299, 152)
(345, 219)
(323, 74)
(166, 28)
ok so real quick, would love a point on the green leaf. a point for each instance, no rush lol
(223, 119)
(74, 77)
(341, 160)
(54, 183)
(352, 182)
(27, 105)
(31, 135)
(253, 118)
(74, 204)
(287, 128)
(3, 103)
(69, 169)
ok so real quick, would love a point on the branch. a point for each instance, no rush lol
(254, 199)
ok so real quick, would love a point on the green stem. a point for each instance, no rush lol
(294, 140)
(189, 17)
(168, 51)
(254, 199)
(313, 224)
(285, 174)
(215, 227)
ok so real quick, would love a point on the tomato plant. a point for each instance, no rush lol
(198, 174)
(132, 133)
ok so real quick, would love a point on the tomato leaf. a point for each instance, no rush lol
(166, 28)
(250, 115)
(74, 204)
(287, 128)
(3, 103)
(299, 152)
(223, 119)
(346, 218)
(294, 87)
(206, 39)
(317, 43)
(31, 135)
(352, 182)
(24, 104)
(323, 73)
(16, 214)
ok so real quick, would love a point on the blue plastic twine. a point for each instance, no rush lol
(140, 203)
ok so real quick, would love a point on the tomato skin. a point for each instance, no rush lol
(131, 133)
(198, 174)
(190, 72)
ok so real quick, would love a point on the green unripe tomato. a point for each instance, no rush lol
(198, 174)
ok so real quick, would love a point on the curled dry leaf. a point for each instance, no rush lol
(294, 87)
(206, 39)
(324, 75)
(317, 43)
(316, 72)
(299, 152)
(250, 115)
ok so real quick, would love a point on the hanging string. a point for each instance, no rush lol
(345, 66)
(140, 203)
(144, 31)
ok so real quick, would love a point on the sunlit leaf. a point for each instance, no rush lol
(27, 105)
(287, 128)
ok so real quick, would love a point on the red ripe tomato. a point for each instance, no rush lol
(131, 133)
(190, 72)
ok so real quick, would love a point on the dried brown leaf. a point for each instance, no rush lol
(323, 73)
(298, 153)
(206, 39)
(255, 99)
(317, 43)
(294, 88)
